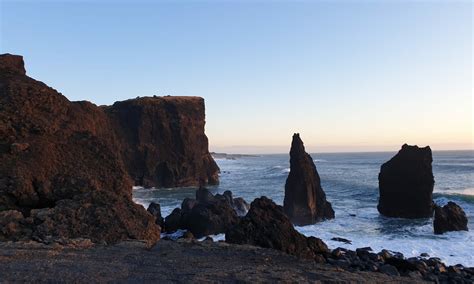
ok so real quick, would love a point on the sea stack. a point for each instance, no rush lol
(305, 201)
(450, 217)
(406, 184)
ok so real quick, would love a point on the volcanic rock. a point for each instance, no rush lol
(163, 142)
(305, 201)
(206, 215)
(406, 184)
(266, 225)
(155, 210)
(450, 217)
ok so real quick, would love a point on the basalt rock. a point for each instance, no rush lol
(450, 217)
(406, 184)
(206, 215)
(155, 210)
(266, 225)
(66, 167)
(163, 142)
(305, 201)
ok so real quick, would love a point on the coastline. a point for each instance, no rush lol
(168, 261)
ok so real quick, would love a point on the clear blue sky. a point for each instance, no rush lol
(347, 75)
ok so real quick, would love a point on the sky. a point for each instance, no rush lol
(346, 75)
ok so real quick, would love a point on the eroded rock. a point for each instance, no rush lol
(305, 201)
(450, 217)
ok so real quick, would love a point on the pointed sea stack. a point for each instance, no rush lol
(406, 184)
(305, 201)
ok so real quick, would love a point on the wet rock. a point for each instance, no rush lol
(342, 240)
(205, 215)
(406, 184)
(389, 270)
(450, 217)
(305, 201)
(266, 225)
(240, 206)
(173, 221)
(155, 210)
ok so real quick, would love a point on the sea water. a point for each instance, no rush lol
(350, 181)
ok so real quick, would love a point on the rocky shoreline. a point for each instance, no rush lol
(168, 262)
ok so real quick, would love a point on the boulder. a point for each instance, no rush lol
(206, 215)
(266, 225)
(305, 201)
(406, 184)
(155, 210)
(450, 217)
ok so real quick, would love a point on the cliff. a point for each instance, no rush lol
(163, 142)
(67, 167)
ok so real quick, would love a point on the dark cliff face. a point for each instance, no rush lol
(65, 168)
(305, 201)
(406, 184)
(163, 142)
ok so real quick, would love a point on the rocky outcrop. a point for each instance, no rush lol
(206, 215)
(450, 217)
(305, 201)
(155, 210)
(266, 225)
(66, 166)
(163, 142)
(406, 184)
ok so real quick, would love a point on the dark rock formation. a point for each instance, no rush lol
(155, 210)
(450, 217)
(406, 184)
(163, 142)
(66, 166)
(206, 215)
(266, 225)
(305, 201)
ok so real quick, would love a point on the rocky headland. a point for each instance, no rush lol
(68, 167)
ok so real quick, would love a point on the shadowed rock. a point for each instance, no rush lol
(450, 217)
(206, 215)
(266, 225)
(406, 184)
(305, 201)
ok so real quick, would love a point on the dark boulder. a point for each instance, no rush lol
(305, 201)
(450, 217)
(406, 184)
(266, 225)
(173, 221)
(210, 218)
(206, 215)
(240, 206)
(155, 210)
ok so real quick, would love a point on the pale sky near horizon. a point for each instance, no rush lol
(346, 75)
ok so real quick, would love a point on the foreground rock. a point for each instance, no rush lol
(168, 262)
(406, 184)
(450, 217)
(267, 226)
(61, 175)
(207, 214)
(305, 201)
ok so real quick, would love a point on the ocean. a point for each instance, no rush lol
(350, 181)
